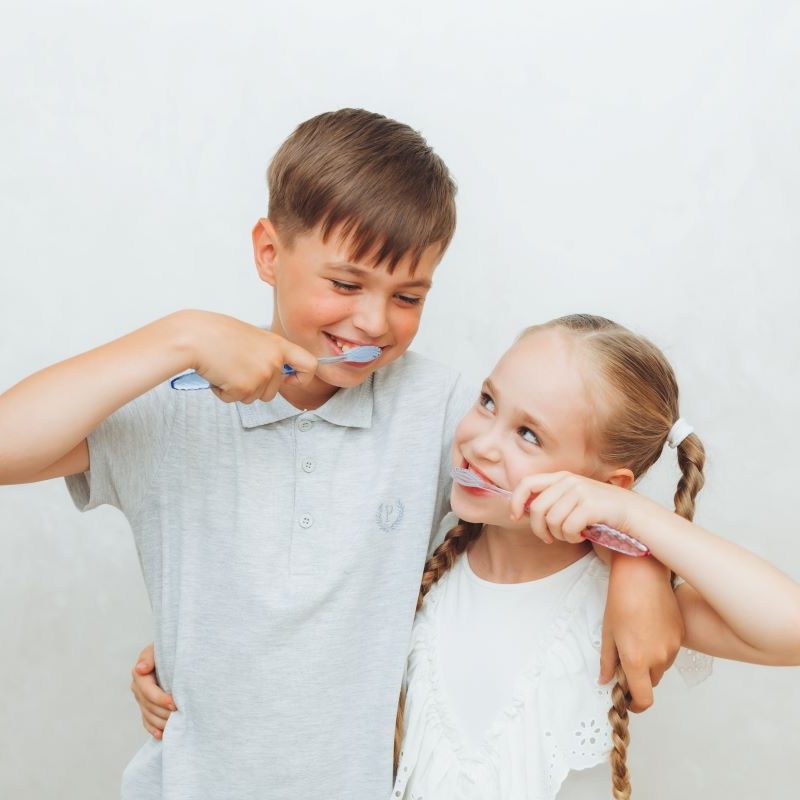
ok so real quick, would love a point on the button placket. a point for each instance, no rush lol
(306, 491)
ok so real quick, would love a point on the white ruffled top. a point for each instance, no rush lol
(556, 720)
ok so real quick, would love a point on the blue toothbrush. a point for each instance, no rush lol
(358, 355)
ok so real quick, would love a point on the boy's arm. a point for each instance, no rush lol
(643, 626)
(45, 419)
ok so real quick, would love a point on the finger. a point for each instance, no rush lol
(156, 711)
(559, 512)
(656, 674)
(576, 523)
(152, 693)
(304, 363)
(223, 395)
(272, 386)
(154, 732)
(146, 661)
(541, 506)
(531, 485)
(609, 658)
(641, 690)
(154, 720)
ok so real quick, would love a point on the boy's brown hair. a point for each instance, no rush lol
(373, 180)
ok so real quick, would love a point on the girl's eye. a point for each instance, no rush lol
(345, 287)
(409, 300)
(529, 436)
(486, 401)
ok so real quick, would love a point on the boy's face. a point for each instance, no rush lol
(323, 301)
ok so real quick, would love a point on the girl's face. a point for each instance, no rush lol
(533, 415)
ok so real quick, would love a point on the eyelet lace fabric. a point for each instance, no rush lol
(556, 720)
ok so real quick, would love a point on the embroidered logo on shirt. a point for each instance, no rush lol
(389, 514)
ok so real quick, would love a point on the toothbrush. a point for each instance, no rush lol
(602, 534)
(358, 355)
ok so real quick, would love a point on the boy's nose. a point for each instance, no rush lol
(371, 318)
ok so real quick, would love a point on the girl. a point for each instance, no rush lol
(500, 695)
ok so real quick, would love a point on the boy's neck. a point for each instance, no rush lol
(501, 555)
(307, 398)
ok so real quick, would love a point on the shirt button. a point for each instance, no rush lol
(306, 521)
(305, 425)
(308, 465)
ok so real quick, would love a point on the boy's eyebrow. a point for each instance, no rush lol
(534, 423)
(358, 272)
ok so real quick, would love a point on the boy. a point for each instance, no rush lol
(282, 533)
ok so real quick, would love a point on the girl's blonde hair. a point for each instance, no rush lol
(642, 406)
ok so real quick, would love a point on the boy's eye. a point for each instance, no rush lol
(529, 436)
(345, 287)
(486, 401)
(409, 300)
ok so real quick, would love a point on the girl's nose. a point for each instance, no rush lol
(486, 447)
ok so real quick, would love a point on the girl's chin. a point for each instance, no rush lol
(466, 511)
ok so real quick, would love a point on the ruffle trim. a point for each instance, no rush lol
(555, 722)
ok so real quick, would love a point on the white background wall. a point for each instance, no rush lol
(638, 160)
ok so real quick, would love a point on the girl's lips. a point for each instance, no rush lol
(473, 468)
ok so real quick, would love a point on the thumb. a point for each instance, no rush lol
(609, 658)
(146, 662)
(304, 363)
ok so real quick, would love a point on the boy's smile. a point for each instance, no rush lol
(328, 304)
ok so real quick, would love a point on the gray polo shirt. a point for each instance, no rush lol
(282, 552)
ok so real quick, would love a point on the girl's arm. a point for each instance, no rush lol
(736, 604)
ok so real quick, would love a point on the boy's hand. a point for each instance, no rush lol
(155, 704)
(242, 362)
(642, 627)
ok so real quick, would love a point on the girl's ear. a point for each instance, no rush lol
(621, 477)
(265, 250)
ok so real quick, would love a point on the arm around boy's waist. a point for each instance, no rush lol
(45, 418)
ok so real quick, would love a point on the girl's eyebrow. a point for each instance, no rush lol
(358, 272)
(527, 417)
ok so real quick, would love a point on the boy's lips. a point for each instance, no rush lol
(340, 346)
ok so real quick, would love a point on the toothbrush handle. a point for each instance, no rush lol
(190, 381)
(615, 540)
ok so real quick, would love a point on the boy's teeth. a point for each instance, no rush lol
(346, 348)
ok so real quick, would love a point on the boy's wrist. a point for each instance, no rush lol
(181, 331)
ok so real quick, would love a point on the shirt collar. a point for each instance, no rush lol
(350, 408)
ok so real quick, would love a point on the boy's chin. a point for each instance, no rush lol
(342, 377)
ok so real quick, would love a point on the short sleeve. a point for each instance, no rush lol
(125, 451)
(693, 667)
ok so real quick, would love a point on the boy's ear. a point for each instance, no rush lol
(621, 477)
(265, 249)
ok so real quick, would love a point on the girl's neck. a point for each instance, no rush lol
(501, 555)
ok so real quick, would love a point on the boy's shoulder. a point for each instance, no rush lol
(423, 371)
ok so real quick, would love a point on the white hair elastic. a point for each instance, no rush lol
(678, 432)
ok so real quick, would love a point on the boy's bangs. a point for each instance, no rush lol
(385, 235)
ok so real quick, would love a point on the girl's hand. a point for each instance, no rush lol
(155, 704)
(566, 504)
(242, 362)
